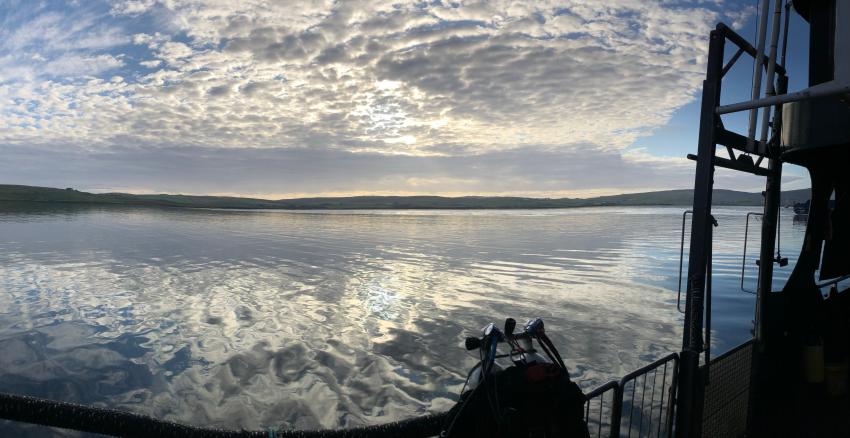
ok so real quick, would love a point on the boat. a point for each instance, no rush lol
(791, 378)
(530, 395)
(802, 208)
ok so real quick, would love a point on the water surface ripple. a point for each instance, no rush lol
(249, 319)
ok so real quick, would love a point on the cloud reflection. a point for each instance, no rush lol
(254, 319)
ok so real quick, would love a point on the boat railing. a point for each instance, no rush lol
(599, 410)
(641, 404)
(744, 257)
(681, 262)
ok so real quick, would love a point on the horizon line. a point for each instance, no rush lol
(331, 195)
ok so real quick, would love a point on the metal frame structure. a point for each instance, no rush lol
(697, 324)
(767, 148)
(840, 84)
(735, 370)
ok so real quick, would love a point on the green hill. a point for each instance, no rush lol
(19, 193)
(48, 194)
(685, 197)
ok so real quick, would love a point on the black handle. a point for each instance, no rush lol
(510, 325)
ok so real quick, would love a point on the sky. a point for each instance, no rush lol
(279, 99)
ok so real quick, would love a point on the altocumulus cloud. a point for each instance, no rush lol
(283, 97)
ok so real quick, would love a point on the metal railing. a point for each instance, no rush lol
(681, 262)
(641, 404)
(744, 258)
(646, 389)
(601, 407)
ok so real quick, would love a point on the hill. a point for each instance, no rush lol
(19, 193)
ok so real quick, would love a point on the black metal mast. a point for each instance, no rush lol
(689, 408)
(693, 377)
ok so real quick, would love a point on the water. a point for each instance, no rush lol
(249, 319)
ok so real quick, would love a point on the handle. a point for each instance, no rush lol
(510, 325)
(681, 261)
(744, 258)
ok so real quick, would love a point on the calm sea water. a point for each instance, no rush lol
(250, 319)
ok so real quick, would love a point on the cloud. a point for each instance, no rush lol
(81, 65)
(151, 64)
(55, 31)
(43, 41)
(132, 7)
(374, 78)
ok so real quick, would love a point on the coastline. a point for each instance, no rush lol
(54, 196)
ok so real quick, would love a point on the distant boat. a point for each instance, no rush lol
(802, 208)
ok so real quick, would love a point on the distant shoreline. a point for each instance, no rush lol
(666, 198)
(345, 208)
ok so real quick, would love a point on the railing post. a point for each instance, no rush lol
(617, 411)
(689, 403)
(672, 400)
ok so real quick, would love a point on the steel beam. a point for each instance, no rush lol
(689, 403)
(821, 90)
(742, 43)
(736, 165)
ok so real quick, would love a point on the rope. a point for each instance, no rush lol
(127, 424)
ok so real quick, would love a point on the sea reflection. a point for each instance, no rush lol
(249, 319)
